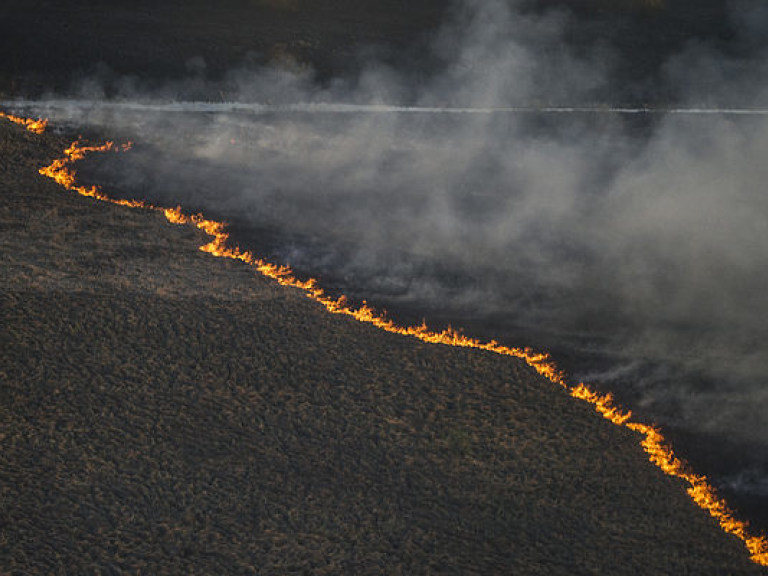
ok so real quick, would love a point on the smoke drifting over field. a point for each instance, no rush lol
(641, 241)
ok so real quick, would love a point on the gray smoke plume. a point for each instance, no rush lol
(641, 239)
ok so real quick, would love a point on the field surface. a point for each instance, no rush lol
(164, 411)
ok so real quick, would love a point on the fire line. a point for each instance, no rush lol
(659, 450)
(35, 126)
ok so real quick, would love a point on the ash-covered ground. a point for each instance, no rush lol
(535, 231)
(630, 246)
(164, 411)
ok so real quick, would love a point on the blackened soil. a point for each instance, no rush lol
(82, 46)
(163, 411)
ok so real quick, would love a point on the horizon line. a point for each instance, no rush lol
(256, 108)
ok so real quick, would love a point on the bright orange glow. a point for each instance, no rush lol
(653, 442)
(36, 126)
(60, 171)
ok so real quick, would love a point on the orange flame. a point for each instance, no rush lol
(35, 126)
(653, 442)
(60, 171)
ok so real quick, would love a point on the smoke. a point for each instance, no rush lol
(641, 241)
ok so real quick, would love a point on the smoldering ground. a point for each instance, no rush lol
(636, 243)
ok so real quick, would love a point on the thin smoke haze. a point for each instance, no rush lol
(499, 191)
(53, 106)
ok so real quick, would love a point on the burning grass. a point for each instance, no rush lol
(35, 126)
(317, 433)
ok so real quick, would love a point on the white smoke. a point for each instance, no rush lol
(498, 188)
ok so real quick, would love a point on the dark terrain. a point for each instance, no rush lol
(167, 412)
(88, 47)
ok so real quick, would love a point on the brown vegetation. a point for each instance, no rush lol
(164, 411)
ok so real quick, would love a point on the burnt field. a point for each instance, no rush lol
(165, 411)
(119, 47)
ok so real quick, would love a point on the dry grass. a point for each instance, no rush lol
(166, 412)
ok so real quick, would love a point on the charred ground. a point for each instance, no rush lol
(163, 411)
(81, 46)
(166, 411)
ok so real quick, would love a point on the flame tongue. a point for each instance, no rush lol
(653, 442)
(62, 172)
(35, 126)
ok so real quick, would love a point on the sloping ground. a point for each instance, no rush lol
(163, 411)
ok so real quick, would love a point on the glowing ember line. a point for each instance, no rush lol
(35, 126)
(653, 442)
(60, 171)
